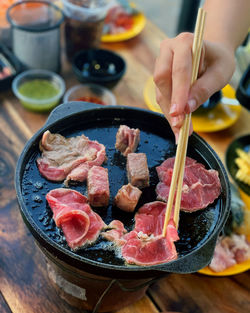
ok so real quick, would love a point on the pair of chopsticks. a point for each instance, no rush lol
(179, 165)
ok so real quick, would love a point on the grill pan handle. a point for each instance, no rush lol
(69, 108)
(193, 262)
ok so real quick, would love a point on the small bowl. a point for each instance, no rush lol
(90, 93)
(99, 66)
(38, 90)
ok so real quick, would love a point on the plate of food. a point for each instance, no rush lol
(220, 117)
(232, 270)
(122, 22)
(232, 251)
(238, 165)
(238, 162)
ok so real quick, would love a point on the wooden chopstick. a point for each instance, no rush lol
(197, 46)
(179, 165)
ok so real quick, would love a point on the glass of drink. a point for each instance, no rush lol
(84, 21)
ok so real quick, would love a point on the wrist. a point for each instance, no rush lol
(227, 43)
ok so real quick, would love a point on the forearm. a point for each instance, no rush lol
(227, 21)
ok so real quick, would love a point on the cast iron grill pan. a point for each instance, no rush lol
(196, 230)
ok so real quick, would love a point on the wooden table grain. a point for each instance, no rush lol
(24, 285)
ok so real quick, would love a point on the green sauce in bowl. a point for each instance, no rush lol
(38, 89)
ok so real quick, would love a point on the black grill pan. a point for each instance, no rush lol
(198, 231)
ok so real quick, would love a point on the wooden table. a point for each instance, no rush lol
(24, 284)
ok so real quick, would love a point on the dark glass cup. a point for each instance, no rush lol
(84, 20)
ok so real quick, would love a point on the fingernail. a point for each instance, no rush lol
(192, 105)
(174, 121)
(176, 138)
(173, 109)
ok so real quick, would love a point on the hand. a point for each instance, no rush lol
(172, 76)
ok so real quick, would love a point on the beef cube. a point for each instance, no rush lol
(127, 139)
(127, 197)
(137, 170)
(98, 186)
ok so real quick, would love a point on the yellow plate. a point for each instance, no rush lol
(233, 270)
(218, 118)
(139, 21)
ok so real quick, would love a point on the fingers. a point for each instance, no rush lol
(163, 78)
(210, 82)
(172, 77)
(174, 122)
(217, 71)
(203, 89)
(163, 73)
(173, 71)
(181, 74)
(163, 102)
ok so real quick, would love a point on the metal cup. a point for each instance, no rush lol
(35, 28)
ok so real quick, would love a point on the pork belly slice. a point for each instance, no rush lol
(229, 251)
(127, 197)
(115, 233)
(200, 186)
(127, 139)
(68, 158)
(137, 170)
(72, 213)
(98, 186)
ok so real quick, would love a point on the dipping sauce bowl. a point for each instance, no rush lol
(90, 93)
(38, 90)
(99, 66)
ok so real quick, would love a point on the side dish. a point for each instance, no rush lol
(119, 18)
(243, 162)
(230, 250)
(232, 246)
